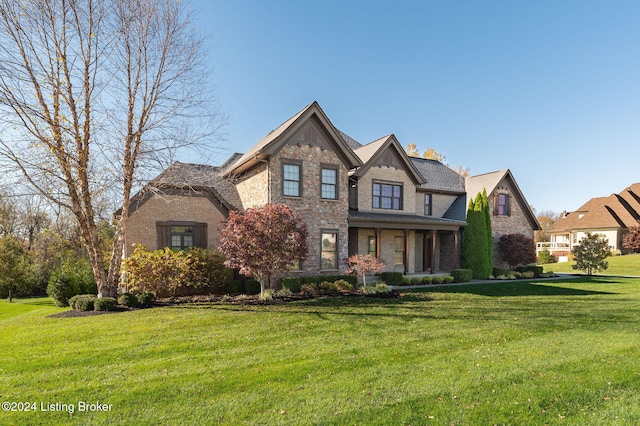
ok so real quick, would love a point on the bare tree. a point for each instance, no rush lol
(92, 92)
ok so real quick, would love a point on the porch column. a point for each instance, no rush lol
(456, 245)
(378, 242)
(433, 250)
(405, 259)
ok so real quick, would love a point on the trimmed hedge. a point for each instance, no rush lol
(128, 299)
(501, 271)
(462, 275)
(537, 270)
(146, 299)
(105, 304)
(251, 287)
(392, 278)
(294, 284)
(82, 302)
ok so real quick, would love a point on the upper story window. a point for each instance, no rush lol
(329, 183)
(428, 206)
(387, 196)
(502, 205)
(292, 179)
(182, 237)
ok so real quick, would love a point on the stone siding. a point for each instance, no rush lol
(253, 187)
(319, 214)
(141, 226)
(515, 223)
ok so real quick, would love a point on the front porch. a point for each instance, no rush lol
(408, 244)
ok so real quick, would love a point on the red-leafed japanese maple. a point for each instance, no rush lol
(261, 241)
(360, 264)
(517, 249)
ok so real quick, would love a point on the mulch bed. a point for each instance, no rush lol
(75, 314)
(213, 298)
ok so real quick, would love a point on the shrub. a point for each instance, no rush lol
(528, 274)
(462, 275)
(517, 249)
(128, 299)
(327, 287)
(309, 288)
(62, 289)
(267, 294)
(515, 274)
(377, 287)
(501, 271)
(416, 280)
(406, 280)
(344, 285)
(291, 283)
(391, 278)
(437, 279)
(426, 279)
(235, 287)
(283, 292)
(545, 256)
(165, 271)
(73, 302)
(448, 279)
(252, 287)
(105, 304)
(146, 299)
(85, 302)
(537, 270)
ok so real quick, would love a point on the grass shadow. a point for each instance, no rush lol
(515, 288)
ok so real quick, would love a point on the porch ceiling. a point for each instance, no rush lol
(359, 219)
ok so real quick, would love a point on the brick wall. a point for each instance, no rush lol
(141, 227)
(253, 187)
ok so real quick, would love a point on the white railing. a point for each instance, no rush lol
(552, 246)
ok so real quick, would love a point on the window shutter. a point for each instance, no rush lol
(164, 233)
(496, 204)
(507, 205)
(200, 232)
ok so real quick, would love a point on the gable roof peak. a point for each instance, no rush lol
(271, 143)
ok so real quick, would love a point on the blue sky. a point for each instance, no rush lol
(548, 89)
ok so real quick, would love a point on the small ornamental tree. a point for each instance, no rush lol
(590, 253)
(517, 249)
(262, 241)
(632, 239)
(360, 264)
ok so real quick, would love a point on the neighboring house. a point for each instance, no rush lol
(510, 212)
(354, 198)
(610, 216)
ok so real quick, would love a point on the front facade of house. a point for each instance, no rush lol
(610, 217)
(355, 199)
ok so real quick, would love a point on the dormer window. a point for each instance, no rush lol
(387, 196)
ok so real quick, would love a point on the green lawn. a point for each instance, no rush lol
(628, 265)
(557, 352)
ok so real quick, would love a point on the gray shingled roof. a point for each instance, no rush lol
(199, 176)
(405, 218)
(353, 144)
(439, 177)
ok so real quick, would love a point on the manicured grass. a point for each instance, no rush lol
(555, 352)
(627, 265)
